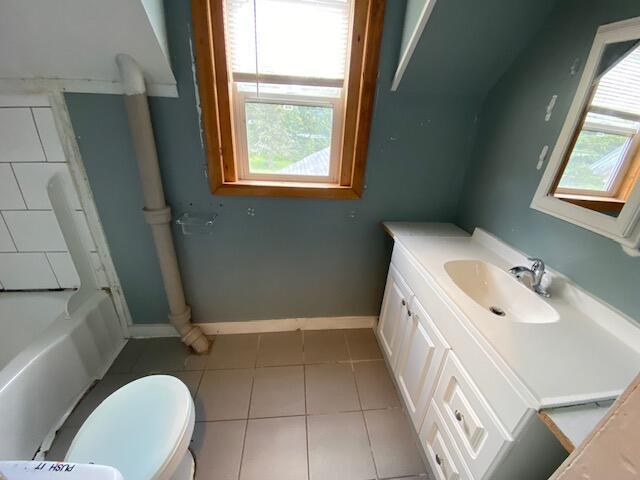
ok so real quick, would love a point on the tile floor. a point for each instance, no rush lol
(287, 405)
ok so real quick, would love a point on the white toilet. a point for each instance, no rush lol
(143, 429)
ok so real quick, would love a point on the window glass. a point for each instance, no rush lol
(594, 161)
(287, 139)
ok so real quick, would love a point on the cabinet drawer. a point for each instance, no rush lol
(475, 428)
(420, 361)
(498, 388)
(444, 458)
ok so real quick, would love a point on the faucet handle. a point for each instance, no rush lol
(538, 263)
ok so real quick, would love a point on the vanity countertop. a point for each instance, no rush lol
(591, 353)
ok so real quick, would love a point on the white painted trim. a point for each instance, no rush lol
(152, 330)
(405, 56)
(83, 188)
(288, 324)
(21, 86)
(625, 229)
(259, 326)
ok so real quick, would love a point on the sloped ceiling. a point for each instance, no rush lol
(72, 44)
(468, 44)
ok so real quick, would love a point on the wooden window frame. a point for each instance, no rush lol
(215, 87)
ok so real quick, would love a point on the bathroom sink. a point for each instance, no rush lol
(499, 293)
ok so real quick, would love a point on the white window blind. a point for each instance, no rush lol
(619, 88)
(288, 38)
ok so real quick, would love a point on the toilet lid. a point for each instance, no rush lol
(143, 429)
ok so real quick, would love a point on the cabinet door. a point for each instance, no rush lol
(420, 361)
(393, 316)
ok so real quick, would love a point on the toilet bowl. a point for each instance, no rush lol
(143, 429)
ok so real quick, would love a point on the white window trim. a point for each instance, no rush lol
(240, 130)
(624, 229)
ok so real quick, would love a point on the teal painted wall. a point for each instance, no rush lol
(502, 178)
(294, 258)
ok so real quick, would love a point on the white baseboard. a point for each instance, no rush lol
(288, 324)
(258, 326)
(152, 330)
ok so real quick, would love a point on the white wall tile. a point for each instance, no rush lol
(6, 243)
(49, 135)
(35, 231)
(19, 140)
(33, 179)
(10, 196)
(20, 271)
(30, 100)
(64, 269)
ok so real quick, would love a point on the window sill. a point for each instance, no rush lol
(254, 188)
(592, 202)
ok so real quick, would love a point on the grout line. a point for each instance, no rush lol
(306, 416)
(246, 421)
(27, 209)
(10, 234)
(195, 394)
(35, 124)
(338, 362)
(15, 177)
(373, 458)
(53, 270)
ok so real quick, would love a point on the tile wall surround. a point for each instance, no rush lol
(33, 253)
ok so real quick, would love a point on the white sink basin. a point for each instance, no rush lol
(499, 293)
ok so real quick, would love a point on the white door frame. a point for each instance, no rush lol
(83, 188)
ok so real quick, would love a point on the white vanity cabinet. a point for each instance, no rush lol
(471, 421)
(394, 315)
(419, 359)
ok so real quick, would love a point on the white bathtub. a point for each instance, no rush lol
(47, 361)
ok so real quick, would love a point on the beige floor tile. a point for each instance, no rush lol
(275, 449)
(224, 395)
(217, 447)
(277, 392)
(191, 379)
(339, 447)
(167, 355)
(233, 351)
(61, 443)
(280, 348)
(330, 389)
(95, 396)
(417, 477)
(392, 441)
(321, 346)
(375, 387)
(128, 357)
(362, 344)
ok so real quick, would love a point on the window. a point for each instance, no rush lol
(287, 88)
(600, 169)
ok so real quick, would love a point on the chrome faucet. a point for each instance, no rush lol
(535, 274)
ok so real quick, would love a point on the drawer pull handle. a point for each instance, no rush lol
(438, 459)
(459, 416)
(404, 302)
(409, 312)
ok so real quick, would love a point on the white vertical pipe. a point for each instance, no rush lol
(156, 211)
